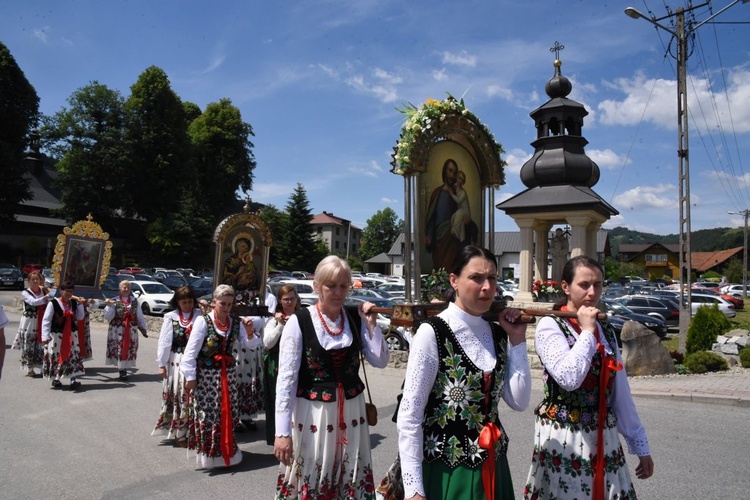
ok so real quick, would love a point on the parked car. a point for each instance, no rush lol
(699, 300)
(49, 278)
(203, 286)
(657, 307)
(302, 275)
(355, 301)
(31, 267)
(187, 273)
(11, 278)
(395, 289)
(153, 297)
(171, 278)
(304, 288)
(131, 270)
(615, 310)
(733, 289)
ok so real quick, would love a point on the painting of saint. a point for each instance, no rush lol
(239, 269)
(82, 262)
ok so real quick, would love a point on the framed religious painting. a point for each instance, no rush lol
(243, 244)
(82, 255)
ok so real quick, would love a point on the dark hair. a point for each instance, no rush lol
(569, 272)
(283, 291)
(466, 254)
(445, 166)
(184, 292)
(67, 285)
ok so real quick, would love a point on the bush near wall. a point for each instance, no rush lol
(745, 357)
(704, 361)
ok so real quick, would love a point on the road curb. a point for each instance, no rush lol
(695, 398)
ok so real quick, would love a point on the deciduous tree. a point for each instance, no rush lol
(381, 232)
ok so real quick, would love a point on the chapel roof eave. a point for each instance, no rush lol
(558, 198)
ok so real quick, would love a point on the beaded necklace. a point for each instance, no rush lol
(324, 321)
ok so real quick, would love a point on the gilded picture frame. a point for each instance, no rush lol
(82, 255)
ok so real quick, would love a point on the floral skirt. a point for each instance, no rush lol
(204, 429)
(72, 367)
(87, 353)
(32, 351)
(173, 416)
(326, 466)
(562, 466)
(249, 380)
(114, 347)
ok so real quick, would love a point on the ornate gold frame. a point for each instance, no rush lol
(74, 251)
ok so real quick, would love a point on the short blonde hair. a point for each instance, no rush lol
(330, 267)
(223, 291)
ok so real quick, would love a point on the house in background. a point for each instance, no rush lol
(714, 261)
(339, 234)
(659, 260)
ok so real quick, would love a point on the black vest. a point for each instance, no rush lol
(58, 319)
(215, 344)
(321, 371)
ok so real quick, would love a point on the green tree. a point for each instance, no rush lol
(733, 270)
(222, 153)
(298, 249)
(159, 146)
(380, 233)
(87, 139)
(19, 110)
(276, 221)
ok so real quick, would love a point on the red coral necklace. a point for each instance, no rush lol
(221, 326)
(325, 322)
(186, 321)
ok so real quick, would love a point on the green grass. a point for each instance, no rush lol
(742, 320)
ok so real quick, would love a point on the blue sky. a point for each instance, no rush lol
(319, 82)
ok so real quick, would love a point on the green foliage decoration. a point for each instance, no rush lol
(436, 285)
(707, 323)
(705, 361)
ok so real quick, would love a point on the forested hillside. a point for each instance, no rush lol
(705, 240)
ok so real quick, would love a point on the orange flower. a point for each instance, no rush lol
(431, 102)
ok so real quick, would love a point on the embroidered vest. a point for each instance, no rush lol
(321, 371)
(29, 311)
(120, 309)
(58, 320)
(215, 344)
(179, 336)
(579, 408)
(459, 404)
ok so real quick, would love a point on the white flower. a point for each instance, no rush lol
(475, 452)
(457, 393)
(432, 445)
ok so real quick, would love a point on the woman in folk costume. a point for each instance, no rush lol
(451, 442)
(586, 402)
(322, 436)
(175, 332)
(211, 381)
(62, 356)
(35, 299)
(287, 303)
(125, 319)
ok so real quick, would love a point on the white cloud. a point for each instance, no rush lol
(439, 75)
(498, 91)
(503, 196)
(461, 59)
(608, 159)
(215, 64)
(389, 201)
(328, 70)
(515, 158)
(41, 34)
(384, 89)
(373, 170)
(661, 196)
(654, 100)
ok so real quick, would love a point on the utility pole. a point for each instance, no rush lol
(681, 34)
(745, 213)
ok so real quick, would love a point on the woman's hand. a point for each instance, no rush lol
(280, 318)
(645, 468)
(283, 449)
(510, 320)
(370, 318)
(109, 302)
(163, 372)
(190, 385)
(587, 318)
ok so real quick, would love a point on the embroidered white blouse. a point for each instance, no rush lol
(568, 365)
(166, 336)
(475, 337)
(290, 358)
(49, 314)
(198, 335)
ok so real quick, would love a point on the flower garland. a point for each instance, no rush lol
(421, 119)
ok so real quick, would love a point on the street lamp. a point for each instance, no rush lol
(744, 252)
(681, 33)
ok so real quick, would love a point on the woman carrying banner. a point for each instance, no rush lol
(62, 356)
(125, 319)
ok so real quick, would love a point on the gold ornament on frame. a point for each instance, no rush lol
(82, 255)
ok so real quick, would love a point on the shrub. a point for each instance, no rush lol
(704, 361)
(677, 357)
(707, 323)
(745, 357)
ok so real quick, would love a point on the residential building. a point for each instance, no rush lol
(339, 234)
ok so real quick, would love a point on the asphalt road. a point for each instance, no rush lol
(96, 443)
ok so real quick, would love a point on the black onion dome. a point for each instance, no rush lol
(558, 85)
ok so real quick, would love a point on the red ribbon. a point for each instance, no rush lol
(609, 365)
(39, 318)
(126, 337)
(227, 431)
(65, 344)
(487, 439)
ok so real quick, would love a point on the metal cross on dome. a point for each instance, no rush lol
(556, 49)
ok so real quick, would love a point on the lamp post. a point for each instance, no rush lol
(745, 213)
(681, 34)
